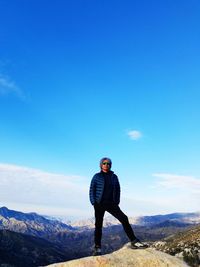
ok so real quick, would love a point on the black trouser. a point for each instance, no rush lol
(117, 213)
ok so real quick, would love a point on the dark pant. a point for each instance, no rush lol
(117, 213)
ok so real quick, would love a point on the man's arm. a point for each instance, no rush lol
(92, 190)
(117, 191)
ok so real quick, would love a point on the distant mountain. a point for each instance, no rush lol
(54, 231)
(171, 223)
(89, 223)
(20, 250)
(31, 223)
(187, 218)
(185, 245)
(182, 218)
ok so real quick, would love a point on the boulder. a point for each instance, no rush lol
(127, 257)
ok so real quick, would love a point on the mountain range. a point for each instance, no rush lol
(18, 250)
(182, 218)
(75, 240)
(30, 223)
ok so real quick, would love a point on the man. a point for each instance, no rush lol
(105, 196)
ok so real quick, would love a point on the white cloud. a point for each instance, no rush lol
(168, 193)
(176, 192)
(33, 190)
(134, 134)
(8, 86)
(169, 181)
(42, 191)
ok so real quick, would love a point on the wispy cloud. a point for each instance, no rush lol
(177, 192)
(29, 189)
(167, 193)
(42, 190)
(169, 181)
(7, 86)
(134, 134)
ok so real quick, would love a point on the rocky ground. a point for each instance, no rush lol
(185, 245)
(127, 257)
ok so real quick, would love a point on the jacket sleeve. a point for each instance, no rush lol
(92, 191)
(117, 191)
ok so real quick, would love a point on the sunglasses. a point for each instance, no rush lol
(106, 163)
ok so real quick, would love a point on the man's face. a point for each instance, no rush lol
(105, 166)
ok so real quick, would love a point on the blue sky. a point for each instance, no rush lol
(80, 80)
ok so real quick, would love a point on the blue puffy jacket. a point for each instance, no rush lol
(97, 187)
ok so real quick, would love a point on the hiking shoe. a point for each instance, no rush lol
(137, 244)
(97, 251)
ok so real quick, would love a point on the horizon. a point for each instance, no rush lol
(80, 80)
(45, 193)
(68, 220)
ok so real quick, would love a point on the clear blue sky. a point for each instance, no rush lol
(77, 77)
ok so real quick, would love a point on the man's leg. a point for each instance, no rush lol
(99, 214)
(118, 214)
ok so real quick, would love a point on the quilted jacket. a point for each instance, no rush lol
(97, 187)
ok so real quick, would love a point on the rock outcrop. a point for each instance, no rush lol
(185, 245)
(127, 257)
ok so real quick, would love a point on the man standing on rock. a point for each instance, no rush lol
(105, 196)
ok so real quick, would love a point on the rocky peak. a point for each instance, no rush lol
(127, 257)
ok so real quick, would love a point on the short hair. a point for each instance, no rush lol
(106, 158)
